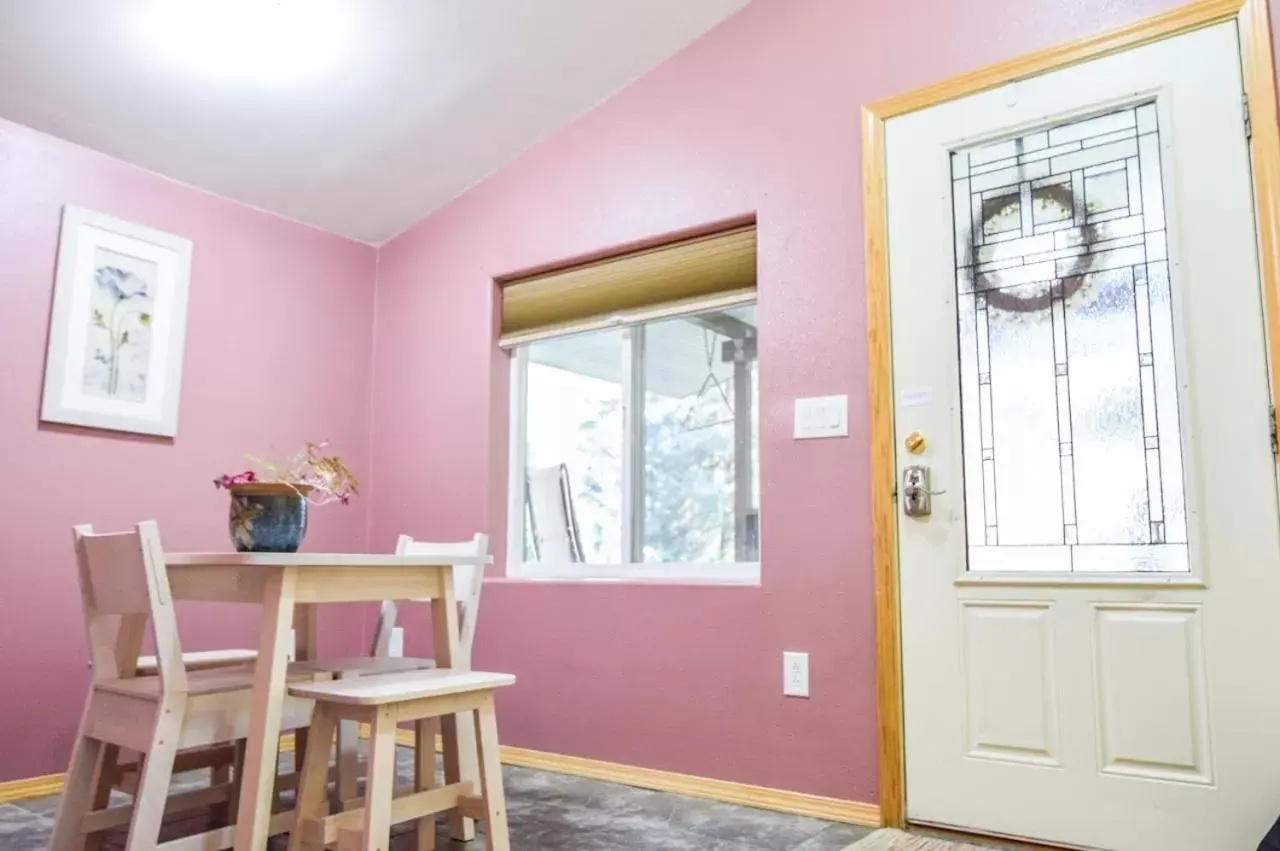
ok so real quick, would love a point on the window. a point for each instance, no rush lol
(1069, 393)
(635, 451)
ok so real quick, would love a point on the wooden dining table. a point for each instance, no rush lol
(289, 587)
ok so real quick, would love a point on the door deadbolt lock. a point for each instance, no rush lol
(917, 495)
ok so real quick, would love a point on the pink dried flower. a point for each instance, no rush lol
(226, 481)
(319, 477)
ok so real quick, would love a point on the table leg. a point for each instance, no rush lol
(306, 639)
(306, 631)
(448, 653)
(253, 815)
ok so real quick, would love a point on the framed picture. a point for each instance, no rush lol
(119, 325)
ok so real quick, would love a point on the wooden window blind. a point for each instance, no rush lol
(691, 275)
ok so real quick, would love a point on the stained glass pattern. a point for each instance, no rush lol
(1071, 438)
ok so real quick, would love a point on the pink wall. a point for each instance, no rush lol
(278, 352)
(761, 115)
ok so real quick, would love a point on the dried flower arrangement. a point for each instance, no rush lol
(318, 477)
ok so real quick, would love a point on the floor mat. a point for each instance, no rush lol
(896, 840)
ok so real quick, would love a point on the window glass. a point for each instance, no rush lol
(1072, 445)
(641, 444)
(573, 450)
(700, 494)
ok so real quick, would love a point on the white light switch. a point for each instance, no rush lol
(822, 416)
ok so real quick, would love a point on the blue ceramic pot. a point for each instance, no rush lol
(268, 517)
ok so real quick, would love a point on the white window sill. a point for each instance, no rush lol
(739, 573)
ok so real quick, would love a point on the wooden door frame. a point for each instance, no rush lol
(1264, 153)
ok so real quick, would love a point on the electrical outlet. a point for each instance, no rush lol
(795, 674)
(396, 647)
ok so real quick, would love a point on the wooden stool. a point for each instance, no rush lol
(383, 701)
(468, 582)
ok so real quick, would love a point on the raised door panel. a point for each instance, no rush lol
(1153, 717)
(1010, 691)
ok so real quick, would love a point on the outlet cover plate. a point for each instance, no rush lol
(795, 674)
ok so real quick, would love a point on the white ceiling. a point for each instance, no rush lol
(357, 116)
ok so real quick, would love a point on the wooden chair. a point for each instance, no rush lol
(219, 759)
(468, 581)
(123, 585)
(383, 701)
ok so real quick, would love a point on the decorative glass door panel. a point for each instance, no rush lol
(1069, 398)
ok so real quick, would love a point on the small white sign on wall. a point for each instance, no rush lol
(916, 397)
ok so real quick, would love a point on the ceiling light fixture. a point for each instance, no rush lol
(266, 43)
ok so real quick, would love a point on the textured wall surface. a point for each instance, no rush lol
(277, 352)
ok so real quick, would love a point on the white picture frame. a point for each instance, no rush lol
(118, 327)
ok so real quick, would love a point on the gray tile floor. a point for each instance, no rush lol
(551, 812)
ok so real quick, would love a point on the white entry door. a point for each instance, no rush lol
(1091, 612)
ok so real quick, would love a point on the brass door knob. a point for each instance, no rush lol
(915, 443)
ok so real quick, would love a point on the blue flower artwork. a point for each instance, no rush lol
(118, 350)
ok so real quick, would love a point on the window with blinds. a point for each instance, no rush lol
(691, 275)
(635, 449)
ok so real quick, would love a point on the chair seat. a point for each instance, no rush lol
(201, 660)
(397, 688)
(359, 666)
(212, 681)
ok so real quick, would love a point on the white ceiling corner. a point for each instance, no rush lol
(423, 98)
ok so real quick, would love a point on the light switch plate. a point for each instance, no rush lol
(822, 416)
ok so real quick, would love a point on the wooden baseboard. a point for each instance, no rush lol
(725, 791)
(31, 787)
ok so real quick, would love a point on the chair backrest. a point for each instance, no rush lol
(123, 584)
(468, 580)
